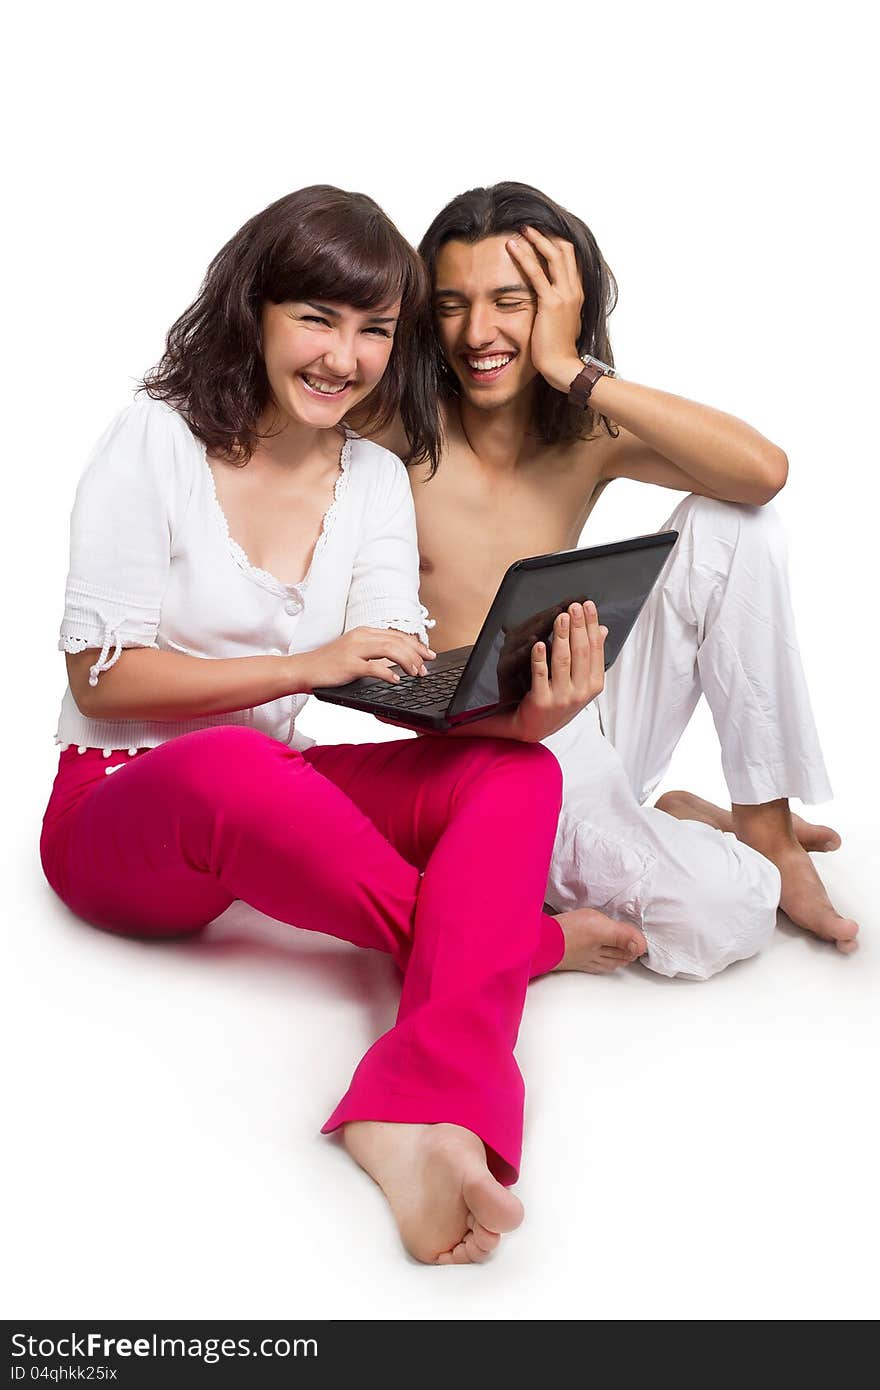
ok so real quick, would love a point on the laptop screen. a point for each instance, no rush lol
(617, 577)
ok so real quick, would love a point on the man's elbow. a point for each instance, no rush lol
(773, 475)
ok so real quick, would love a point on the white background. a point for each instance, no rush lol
(692, 1151)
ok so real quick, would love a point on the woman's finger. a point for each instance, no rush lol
(382, 634)
(380, 669)
(397, 648)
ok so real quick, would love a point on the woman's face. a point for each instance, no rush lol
(322, 359)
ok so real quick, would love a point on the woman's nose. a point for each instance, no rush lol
(341, 359)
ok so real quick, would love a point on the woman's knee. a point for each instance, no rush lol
(525, 769)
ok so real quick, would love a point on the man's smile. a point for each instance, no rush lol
(486, 367)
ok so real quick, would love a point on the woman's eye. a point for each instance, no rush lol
(382, 332)
(510, 303)
(313, 318)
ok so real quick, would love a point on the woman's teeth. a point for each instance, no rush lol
(488, 364)
(324, 387)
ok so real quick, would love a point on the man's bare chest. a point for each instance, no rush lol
(471, 530)
(498, 523)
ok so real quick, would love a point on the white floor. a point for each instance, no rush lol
(693, 1151)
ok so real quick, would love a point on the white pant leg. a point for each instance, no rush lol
(719, 622)
(702, 899)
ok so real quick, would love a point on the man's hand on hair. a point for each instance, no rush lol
(560, 296)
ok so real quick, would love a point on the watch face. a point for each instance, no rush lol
(590, 361)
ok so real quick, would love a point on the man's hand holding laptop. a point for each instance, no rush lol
(572, 676)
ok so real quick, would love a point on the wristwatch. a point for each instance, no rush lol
(579, 391)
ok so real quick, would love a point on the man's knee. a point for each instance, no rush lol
(735, 524)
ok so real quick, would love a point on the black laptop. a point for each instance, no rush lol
(495, 673)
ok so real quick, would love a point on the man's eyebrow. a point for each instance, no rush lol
(501, 289)
(334, 313)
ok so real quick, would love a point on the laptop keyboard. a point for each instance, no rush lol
(417, 692)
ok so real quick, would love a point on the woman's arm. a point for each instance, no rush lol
(149, 684)
(145, 683)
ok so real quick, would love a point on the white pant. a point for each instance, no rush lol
(719, 623)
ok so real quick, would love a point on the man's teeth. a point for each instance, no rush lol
(323, 387)
(488, 364)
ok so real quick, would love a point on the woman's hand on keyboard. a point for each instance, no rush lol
(364, 651)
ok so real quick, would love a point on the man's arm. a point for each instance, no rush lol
(663, 439)
(680, 444)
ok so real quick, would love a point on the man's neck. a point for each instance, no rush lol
(499, 438)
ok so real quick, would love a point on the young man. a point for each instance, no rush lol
(533, 433)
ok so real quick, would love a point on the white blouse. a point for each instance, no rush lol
(152, 564)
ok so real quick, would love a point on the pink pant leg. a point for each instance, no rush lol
(170, 839)
(480, 815)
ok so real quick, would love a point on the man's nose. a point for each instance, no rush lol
(480, 329)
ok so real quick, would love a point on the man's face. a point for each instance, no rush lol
(484, 311)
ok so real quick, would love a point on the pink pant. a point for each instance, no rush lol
(433, 850)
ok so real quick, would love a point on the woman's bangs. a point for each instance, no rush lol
(364, 275)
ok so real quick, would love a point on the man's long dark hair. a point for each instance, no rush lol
(319, 243)
(505, 209)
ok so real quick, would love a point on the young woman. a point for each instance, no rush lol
(233, 545)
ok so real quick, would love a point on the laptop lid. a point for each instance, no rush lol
(618, 578)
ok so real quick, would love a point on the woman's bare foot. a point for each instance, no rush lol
(817, 839)
(785, 840)
(447, 1205)
(598, 944)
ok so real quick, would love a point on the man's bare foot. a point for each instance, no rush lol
(598, 944)
(781, 838)
(804, 899)
(817, 839)
(447, 1205)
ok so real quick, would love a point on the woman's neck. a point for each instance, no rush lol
(288, 445)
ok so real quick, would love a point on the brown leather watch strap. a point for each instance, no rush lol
(580, 388)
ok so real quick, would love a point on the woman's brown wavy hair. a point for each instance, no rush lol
(318, 243)
(505, 209)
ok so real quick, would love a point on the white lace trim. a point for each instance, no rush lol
(239, 555)
(111, 638)
(417, 626)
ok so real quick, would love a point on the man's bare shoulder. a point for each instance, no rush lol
(393, 437)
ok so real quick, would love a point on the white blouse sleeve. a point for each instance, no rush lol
(384, 589)
(121, 535)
